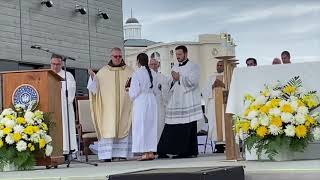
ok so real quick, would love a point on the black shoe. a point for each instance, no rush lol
(184, 156)
(163, 156)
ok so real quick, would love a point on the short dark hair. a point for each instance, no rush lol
(253, 59)
(56, 56)
(286, 53)
(184, 48)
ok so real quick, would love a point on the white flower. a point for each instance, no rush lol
(7, 112)
(275, 130)
(294, 105)
(316, 133)
(47, 138)
(9, 139)
(241, 134)
(17, 106)
(254, 123)
(237, 138)
(25, 137)
(21, 146)
(264, 120)
(301, 91)
(287, 117)
(315, 115)
(276, 93)
(252, 114)
(18, 129)
(303, 110)
(39, 121)
(283, 102)
(35, 137)
(3, 120)
(1, 134)
(29, 121)
(29, 115)
(275, 111)
(260, 100)
(290, 130)
(300, 119)
(10, 123)
(49, 150)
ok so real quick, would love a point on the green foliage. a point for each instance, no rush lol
(270, 145)
(22, 160)
(295, 81)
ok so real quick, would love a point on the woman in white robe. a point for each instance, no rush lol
(145, 109)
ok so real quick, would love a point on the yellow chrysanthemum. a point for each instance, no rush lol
(7, 130)
(310, 119)
(307, 124)
(32, 148)
(44, 126)
(266, 92)
(36, 129)
(1, 143)
(289, 89)
(310, 101)
(265, 109)
(287, 108)
(21, 120)
(301, 131)
(249, 97)
(275, 102)
(276, 121)
(28, 130)
(10, 116)
(237, 127)
(300, 103)
(17, 137)
(262, 131)
(42, 143)
(245, 126)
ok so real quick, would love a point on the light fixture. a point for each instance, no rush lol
(81, 9)
(48, 3)
(103, 15)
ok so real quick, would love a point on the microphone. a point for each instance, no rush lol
(36, 47)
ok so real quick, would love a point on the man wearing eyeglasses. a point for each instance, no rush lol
(111, 107)
(56, 66)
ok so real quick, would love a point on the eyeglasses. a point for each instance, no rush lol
(56, 64)
(117, 56)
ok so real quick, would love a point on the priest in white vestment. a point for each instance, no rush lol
(143, 91)
(214, 81)
(162, 96)
(56, 66)
(111, 108)
(179, 136)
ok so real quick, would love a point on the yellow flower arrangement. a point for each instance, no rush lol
(22, 134)
(280, 114)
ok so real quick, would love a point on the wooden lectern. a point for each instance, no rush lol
(232, 149)
(48, 85)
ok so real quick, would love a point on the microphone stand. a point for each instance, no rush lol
(64, 59)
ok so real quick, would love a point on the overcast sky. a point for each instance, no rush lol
(260, 28)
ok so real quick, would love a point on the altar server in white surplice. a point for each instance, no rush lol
(145, 109)
(179, 136)
(56, 66)
(215, 81)
(162, 95)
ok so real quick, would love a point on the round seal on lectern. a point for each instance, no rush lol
(26, 95)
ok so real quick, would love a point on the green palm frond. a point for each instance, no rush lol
(295, 81)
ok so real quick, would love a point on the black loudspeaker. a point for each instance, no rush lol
(204, 173)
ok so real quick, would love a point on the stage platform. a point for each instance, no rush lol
(288, 170)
